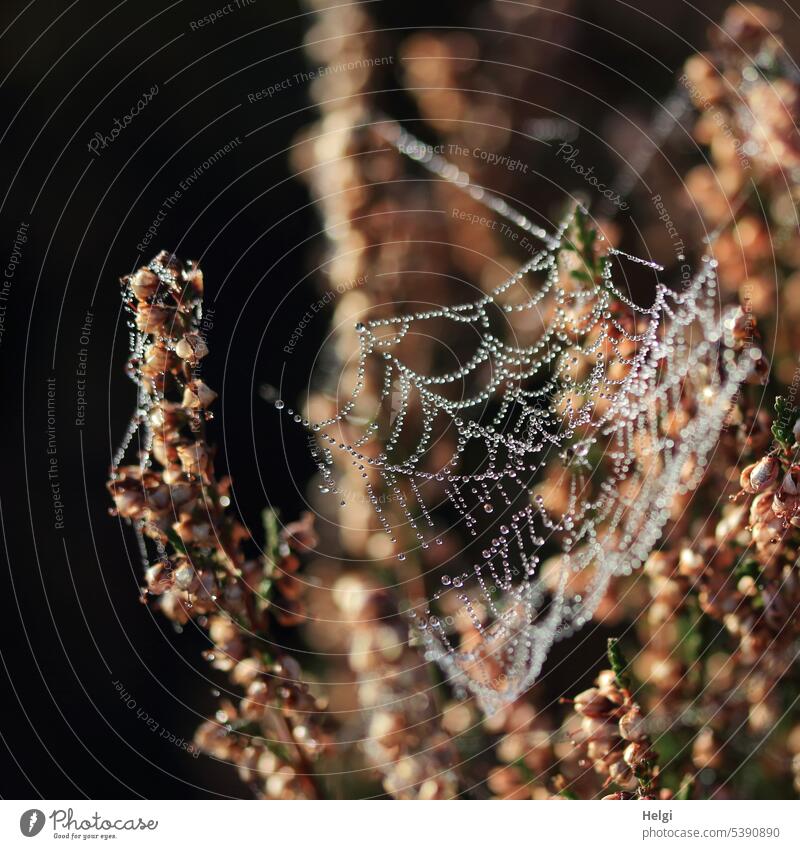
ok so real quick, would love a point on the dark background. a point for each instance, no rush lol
(72, 623)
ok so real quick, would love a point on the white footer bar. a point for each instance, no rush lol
(402, 825)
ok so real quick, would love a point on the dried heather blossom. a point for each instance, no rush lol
(179, 509)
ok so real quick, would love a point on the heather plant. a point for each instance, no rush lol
(197, 568)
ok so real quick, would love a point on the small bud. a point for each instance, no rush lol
(157, 360)
(632, 725)
(144, 283)
(758, 476)
(622, 775)
(706, 753)
(191, 347)
(607, 683)
(158, 320)
(193, 457)
(691, 564)
(197, 533)
(599, 730)
(172, 475)
(606, 751)
(730, 524)
(761, 509)
(198, 396)
(593, 703)
(386, 728)
(167, 416)
(747, 586)
(246, 671)
(159, 579)
(785, 506)
(185, 576)
(636, 755)
(128, 503)
(791, 481)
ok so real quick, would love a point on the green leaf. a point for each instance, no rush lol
(747, 569)
(783, 425)
(619, 664)
(684, 792)
(176, 541)
(588, 236)
(272, 539)
(691, 638)
(583, 276)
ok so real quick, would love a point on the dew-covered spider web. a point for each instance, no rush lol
(561, 435)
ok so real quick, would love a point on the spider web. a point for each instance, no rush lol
(562, 435)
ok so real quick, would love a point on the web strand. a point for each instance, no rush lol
(554, 451)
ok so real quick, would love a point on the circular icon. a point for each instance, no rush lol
(31, 822)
